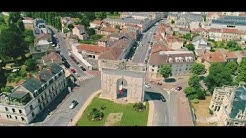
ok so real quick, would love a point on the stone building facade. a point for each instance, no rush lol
(117, 75)
(30, 98)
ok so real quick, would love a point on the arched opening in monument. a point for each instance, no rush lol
(121, 89)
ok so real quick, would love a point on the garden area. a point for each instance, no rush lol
(102, 112)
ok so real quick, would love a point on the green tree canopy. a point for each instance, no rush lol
(100, 15)
(187, 37)
(28, 37)
(194, 81)
(70, 26)
(231, 67)
(198, 68)
(90, 31)
(218, 76)
(31, 64)
(190, 47)
(117, 26)
(165, 71)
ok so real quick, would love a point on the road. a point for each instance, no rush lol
(63, 114)
(161, 109)
(64, 48)
(143, 48)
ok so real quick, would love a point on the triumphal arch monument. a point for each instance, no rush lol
(122, 81)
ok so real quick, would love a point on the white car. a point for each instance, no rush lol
(147, 85)
(73, 104)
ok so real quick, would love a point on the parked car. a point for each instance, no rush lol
(147, 85)
(163, 98)
(73, 104)
(179, 88)
(73, 70)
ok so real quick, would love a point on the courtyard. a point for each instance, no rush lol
(115, 114)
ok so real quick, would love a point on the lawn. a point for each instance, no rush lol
(130, 116)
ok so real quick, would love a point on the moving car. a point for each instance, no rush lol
(163, 99)
(73, 70)
(73, 104)
(179, 88)
(147, 85)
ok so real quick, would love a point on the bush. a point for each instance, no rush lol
(139, 107)
(195, 101)
(96, 115)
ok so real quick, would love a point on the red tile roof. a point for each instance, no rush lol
(243, 53)
(109, 29)
(97, 22)
(228, 30)
(91, 48)
(115, 50)
(231, 54)
(216, 56)
(215, 30)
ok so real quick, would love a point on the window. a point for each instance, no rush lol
(13, 110)
(33, 114)
(22, 119)
(7, 116)
(38, 100)
(20, 111)
(40, 107)
(6, 108)
(10, 116)
(31, 107)
(16, 117)
(153, 70)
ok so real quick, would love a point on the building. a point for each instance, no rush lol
(215, 34)
(52, 57)
(228, 104)
(41, 48)
(79, 31)
(231, 56)
(107, 30)
(96, 23)
(122, 81)
(200, 43)
(236, 22)
(229, 34)
(28, 23)
(90, 51)
(174, 42)
(30, 98)
(180, 62)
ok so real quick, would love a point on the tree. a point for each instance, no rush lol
(187, 37)
(14, 17)
(231, 44)
(70, 26)
(231, 67)
(218, 76)
(201, 94)
(90, 15)
(194, 81)
(189, 91)
(2, 20)
(100, 15)
(84, 21)
(90, 31)
(20, 25)
(190, 47)
(165, 71)
(172, 22)
(198, 68)
(31, 64)
(117, 26)
(28, 37)
(241, 72)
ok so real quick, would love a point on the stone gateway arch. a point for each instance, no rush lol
(122, 81)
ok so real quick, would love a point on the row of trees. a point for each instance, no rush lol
(194, 90)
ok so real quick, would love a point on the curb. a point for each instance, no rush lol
(151, 113)
(82, 109)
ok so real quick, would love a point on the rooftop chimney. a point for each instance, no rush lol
(38, 77)
(50, 69)
(28, 75)
(40, 68)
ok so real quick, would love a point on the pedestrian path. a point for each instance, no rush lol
(88, 76)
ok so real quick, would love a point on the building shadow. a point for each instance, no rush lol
(52, 106)
(149, 96)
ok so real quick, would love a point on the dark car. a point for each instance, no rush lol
(163, 99)
(73, 70)
(179, 88)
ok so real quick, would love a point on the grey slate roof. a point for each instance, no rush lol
(239, 102)
(55, 68)
(32, 84)
(18, 94)
(45, 75)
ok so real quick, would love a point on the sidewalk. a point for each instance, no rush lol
(81, 111)
(151, 113)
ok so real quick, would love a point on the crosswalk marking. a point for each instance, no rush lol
(86, 77)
